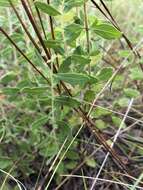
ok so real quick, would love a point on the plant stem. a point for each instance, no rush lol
(87, 34)
(86, 29)
(112, 21)
(35, 28)
(40, 19)
(25, 28)
(53, 34)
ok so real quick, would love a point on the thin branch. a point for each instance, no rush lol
(114, 140)
(53, 33)
(24, 27)
(35, 29)
(104, 180)
(40, 19)
(87, 32)
(112, 20)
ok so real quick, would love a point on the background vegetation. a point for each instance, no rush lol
(71, 109)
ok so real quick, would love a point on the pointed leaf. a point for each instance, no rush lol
(75, 78)
(71, 4)
(53, 43)
(48, 9)
(132, 93)
(8, 77)
(39, 122)
(72, 32)
(11, 90)
(105, 73)
(107, 31)
(34, 91)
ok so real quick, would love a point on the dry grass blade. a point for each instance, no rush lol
(104, 180)
(19, 184)
(114, 140)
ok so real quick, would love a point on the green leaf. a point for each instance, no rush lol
(79, 51)
(61, 100)
(56, 45)
(117, 121)
(48, 9)
(124, 53)
(72, 155)
(69, 4)
(4, 163)
(72, 32)
(89, 95)
(2, 22)
(132, 93)
(76, 61)
(105, 74)
(60, 169)
(106, 31)
(99, 112)
(17, 37)
(53, 43)
(100, 124)
(136, 73)
(91, 162)
(71, 164)
(34, 91)
(6, 51)
(49, 147)
(5, 79)
(64, 130)
(39, 122)
(80, 59)
(65, 66)
(75, 78)
(67, 101)
(11, 90)
(123, 102)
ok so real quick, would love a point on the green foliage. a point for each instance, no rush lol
(91, 162)
(72, 32)
(106, 31)
(77, 61)
(8, 77)
(105, 74)
(132, 93)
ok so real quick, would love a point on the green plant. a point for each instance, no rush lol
(57, 73)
